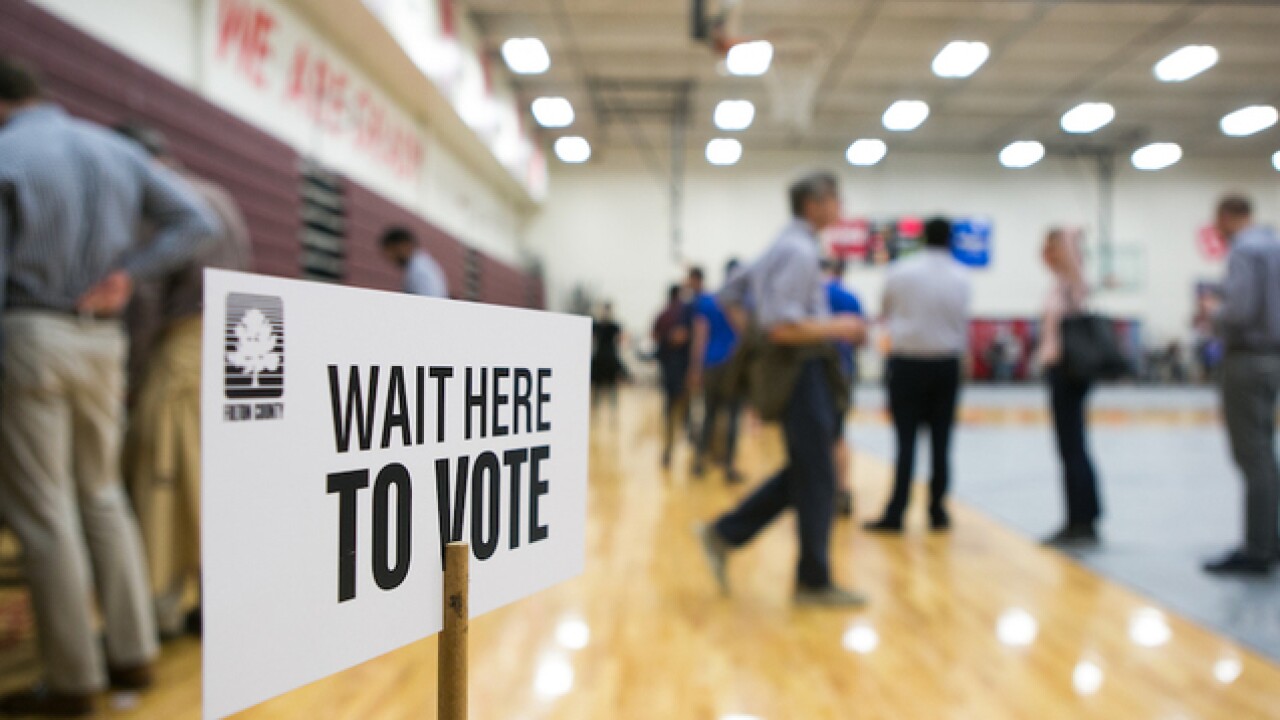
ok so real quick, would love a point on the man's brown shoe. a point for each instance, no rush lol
(42, 702)
(133, 678)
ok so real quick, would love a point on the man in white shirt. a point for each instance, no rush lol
(926, 309)
(422, 275)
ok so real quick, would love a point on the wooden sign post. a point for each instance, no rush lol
(451, 703)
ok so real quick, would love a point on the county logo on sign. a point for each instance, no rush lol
(253, 358)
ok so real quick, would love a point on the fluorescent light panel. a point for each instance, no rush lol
(1185, 63)
(1021, 154)
(1156, 156)
(905, 115)
(1249, 120)
(1088, 117)
(749, 58)
(734, 114)
(960, 59)
(573, 149)
(1275, 161)
(866, 151)
(526, 56)
(724, 151)
(553, 112)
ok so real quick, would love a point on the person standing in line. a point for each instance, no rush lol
(1249, 323)
(671, 335)
(71, 195)
(843, 301)
(162, 447)
(788, 296)
(1069, 396)
(711, 349)
(606, 357)
(422, 274)
(926, 307)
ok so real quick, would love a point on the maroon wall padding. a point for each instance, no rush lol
(503, 285)
(94, 81)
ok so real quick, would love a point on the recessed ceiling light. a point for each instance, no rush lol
(866, 151)
(1021, 154)
(526, 56)
(749, 58)
(906, 115)
(1088, 117)
(1249, 120)
(734, 114)
(573, 149)
(1275, 161)
(724, 151)
(553, 112)
(960, 59)
(1156, 156)
(1185, 63)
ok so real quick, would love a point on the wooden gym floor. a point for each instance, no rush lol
(976, 624)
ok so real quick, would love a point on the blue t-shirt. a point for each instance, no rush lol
(844, 302)
(721, 338)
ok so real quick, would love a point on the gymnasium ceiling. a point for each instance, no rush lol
(630, 66)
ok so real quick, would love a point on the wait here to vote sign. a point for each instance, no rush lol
(347, 435)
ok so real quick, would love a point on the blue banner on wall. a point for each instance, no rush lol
(971, 241)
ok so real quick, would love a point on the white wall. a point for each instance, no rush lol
(606, 223)
(178, 38)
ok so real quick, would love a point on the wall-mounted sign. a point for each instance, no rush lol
(879, 241)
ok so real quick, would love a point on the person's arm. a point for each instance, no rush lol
(795, 291)
(838, 328)
(184, 226)
(1240, 291)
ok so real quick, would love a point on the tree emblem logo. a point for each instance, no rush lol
(254, 350)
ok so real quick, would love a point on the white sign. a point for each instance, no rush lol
(346, 434)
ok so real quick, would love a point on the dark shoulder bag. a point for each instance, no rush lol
(1090, 350)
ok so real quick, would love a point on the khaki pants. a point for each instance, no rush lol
(163, 467)
(61, 422)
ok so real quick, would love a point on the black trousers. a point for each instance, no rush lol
(922, 391)
(807, 483)
(1068, 399)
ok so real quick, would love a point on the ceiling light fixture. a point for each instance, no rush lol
(724, 151)
(573, 149)
(733, 115)
(1275, 161)
(1088, 117)
(553, 112)
(1156, 156)
(1185, 63)
(1249, 120)
(526, 56)
(866, 152)
(960, 59)
(1021, 154)
(749, 58)
(905, 115)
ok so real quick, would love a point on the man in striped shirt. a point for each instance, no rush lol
(71, 197)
